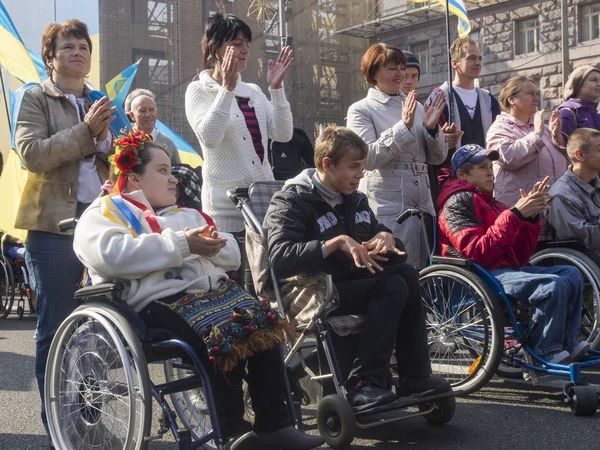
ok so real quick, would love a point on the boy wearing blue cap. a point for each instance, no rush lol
(501, 239)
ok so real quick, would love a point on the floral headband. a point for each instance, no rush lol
(125, 158)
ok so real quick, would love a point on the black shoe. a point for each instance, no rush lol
(247, 441)
(367, 394)
(289, 438)
(418, 386)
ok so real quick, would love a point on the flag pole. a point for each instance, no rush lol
(451, 91)
(4, 96)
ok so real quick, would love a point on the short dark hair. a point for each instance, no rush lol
(466, 167)
(220, 29)
(380, 55)
(71, 28)
(580, 139)
(335, 143)
(145, 157)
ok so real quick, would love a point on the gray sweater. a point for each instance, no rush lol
(575, 210)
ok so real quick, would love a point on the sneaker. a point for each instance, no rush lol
(561, 357)
(247, 441)
(367, 394)
(289, 438)
(579, 350)
(417, 386)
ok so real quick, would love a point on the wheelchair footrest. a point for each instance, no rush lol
(405, 402)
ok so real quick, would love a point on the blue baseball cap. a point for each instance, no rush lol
(472, 153)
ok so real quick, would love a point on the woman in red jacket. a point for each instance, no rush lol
(476, 226)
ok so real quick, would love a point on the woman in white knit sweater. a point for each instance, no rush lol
(233, 120)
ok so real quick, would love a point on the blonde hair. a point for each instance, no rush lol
(511, 88)
(336, 142)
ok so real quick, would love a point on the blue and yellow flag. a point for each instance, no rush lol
(118, 87)
(458, 8)
(187, 153)
(13, 55)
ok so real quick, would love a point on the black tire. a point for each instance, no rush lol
(443, 411)
(7, 288)
(466, 354)
(590, 329)
(583, 400)
(336, 421)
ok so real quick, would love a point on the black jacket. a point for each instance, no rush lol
(299, 220)
(289, 158)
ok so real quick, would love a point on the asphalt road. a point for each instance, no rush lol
(504, 415)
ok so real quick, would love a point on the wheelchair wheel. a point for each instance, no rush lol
(590, 329)
(7, 288)
(336, 421)
(443, 411)
(96, 385)
(583, 400)
(191, 406)
(464, 322)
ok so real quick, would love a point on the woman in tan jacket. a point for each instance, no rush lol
(62, 139)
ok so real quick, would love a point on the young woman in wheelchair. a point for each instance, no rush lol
(320, 222)
(172, 263)
(501, 239)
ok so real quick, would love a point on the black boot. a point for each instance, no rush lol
(247, 441)
(367, 394)
(418, 386)
(289, 438)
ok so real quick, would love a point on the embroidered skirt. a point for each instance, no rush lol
(233, 324)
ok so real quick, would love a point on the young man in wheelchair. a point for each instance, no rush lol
(320, 222)
(575, 202)
(501, 239)
(173, 265)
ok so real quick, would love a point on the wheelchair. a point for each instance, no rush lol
(311, 377)
(14, 282)
(98, 393)
(475, 330)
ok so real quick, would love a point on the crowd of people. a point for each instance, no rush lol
(492, 168)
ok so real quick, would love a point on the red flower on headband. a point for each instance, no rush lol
(125, 160)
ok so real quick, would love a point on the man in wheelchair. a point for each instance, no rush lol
(320, 222)
(173, 266)
(575, 197)
(474, 225)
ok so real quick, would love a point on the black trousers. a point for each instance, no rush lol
(391, 300)
(263, 372)
(243, 277)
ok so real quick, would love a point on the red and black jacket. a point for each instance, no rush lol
(476, 226)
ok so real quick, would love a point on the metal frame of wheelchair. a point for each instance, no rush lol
(506, 323)
(337, 421)
(97, 388)
(14, 282)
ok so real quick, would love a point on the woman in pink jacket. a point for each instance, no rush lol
(529, 150)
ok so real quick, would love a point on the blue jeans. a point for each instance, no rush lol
(56, 276)
(557, 294)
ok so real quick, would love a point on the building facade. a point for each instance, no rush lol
(167, 35)
(515, 37)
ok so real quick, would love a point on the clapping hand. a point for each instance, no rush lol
(538, 123)
(99, 117)
(380, 244)
(204, 241)
(555, 126)
(277, 70)
(229, 69)
(452, 134)
(431, 113)
(530, 205)
(409, 109)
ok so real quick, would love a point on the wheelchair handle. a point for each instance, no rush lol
(401, 218)
(67, 224)
(237, 193)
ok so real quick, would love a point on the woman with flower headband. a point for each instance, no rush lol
(233, 120)
(63, 140)
(172, 262)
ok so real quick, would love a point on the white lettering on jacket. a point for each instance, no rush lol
(327, 221)
(364, 216)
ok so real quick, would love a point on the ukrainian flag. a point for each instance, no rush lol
(118, 87)
(458, 8)
(13, 55)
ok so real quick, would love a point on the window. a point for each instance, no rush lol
(326, 78)
(589, 19)
(528, 36)
(421, 51)
(154, 71)
(476, 36)
(160, 16)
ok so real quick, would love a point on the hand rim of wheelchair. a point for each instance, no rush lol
(7, 285)
(487, 306)
(591, 273)
(130, 358)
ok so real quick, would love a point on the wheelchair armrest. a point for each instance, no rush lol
(98, 290)
(452, 260)
(570, 244)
